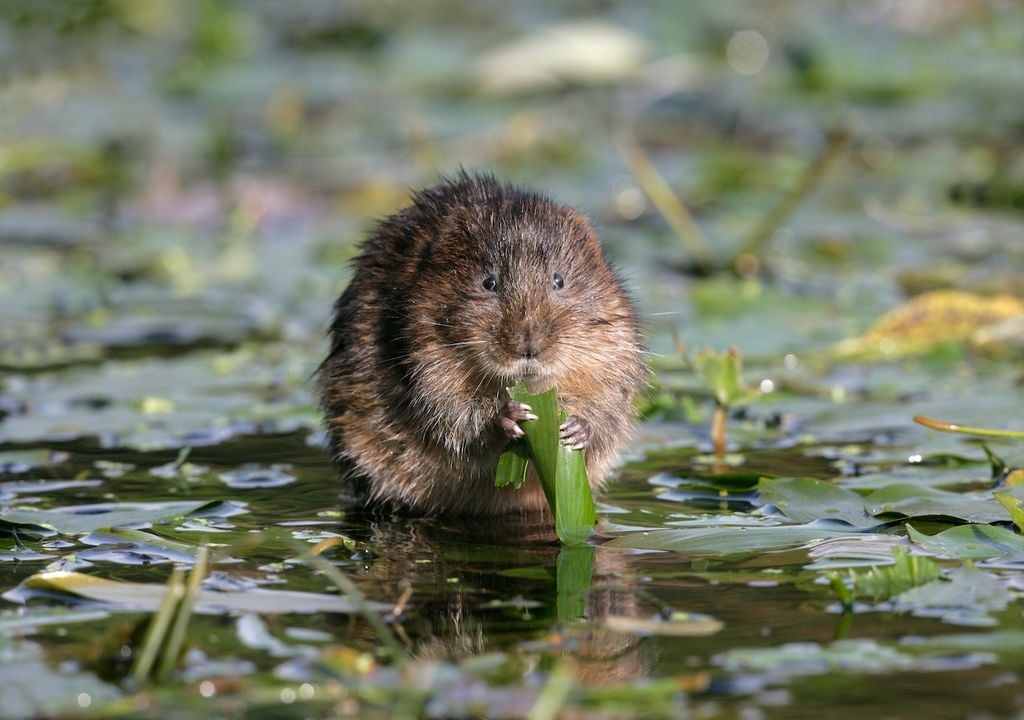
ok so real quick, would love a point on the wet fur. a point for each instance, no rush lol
(421, 352)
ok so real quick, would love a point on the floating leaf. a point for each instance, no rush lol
(147, 597)
(80, 519)
(856, 551)
(143, 543)
(976, 542)
(965, 586)
(916, 501)
(807, 499)
(732, 540)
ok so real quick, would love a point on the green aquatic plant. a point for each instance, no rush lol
(722, 375)
(1014, 506)
(882, 582)
(165, 636)
(561, 470)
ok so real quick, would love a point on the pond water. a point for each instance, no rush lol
(181, 191)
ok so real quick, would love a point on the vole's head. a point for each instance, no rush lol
(527, 293)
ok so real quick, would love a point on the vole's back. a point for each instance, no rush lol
(471, 288)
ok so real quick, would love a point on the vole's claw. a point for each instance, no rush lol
(511, 415)
(511, 428)
(575, 433)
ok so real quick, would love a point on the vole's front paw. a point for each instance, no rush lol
(575, 433)
(511, 415)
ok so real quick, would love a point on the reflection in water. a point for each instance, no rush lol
(490, 585)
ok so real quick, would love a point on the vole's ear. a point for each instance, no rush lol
(579, 233)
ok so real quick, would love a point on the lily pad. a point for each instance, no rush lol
(147, 597)
(916, 501)
(807, 499)
(733, 540)
(977, 542)
(143, 545)
(80, 519)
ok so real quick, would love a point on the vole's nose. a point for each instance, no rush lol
(529, 345)
(529, 340)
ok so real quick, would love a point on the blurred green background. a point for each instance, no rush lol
(183, 183)
(197, 171)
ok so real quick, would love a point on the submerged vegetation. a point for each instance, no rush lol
(833, 190)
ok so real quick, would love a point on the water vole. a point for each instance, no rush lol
(474, 286)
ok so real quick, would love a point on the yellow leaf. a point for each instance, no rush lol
(927, 321)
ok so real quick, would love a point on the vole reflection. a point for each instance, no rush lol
(494, 585)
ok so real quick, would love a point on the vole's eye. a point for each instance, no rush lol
(557, 281)
(490, 283)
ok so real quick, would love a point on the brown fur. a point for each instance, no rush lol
(421, 352)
